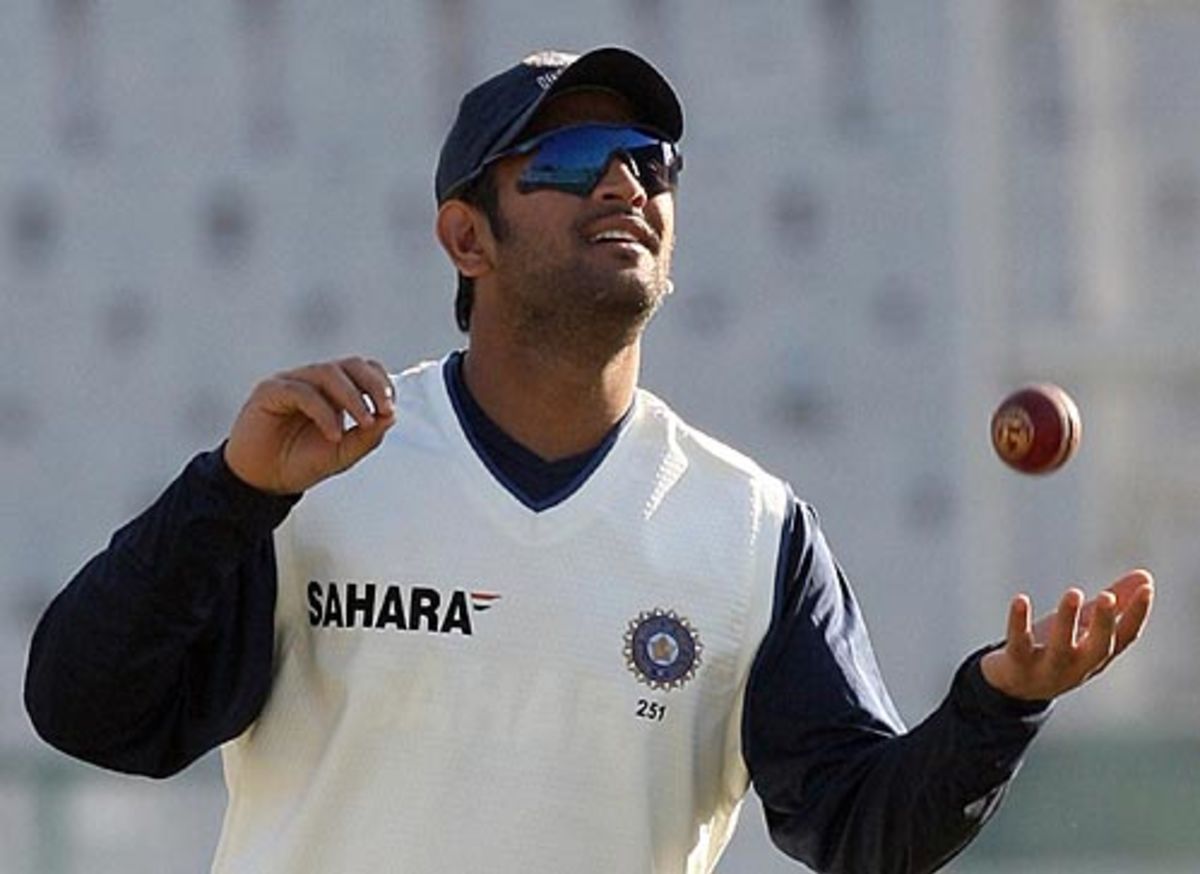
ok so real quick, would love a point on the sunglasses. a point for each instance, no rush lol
(575, 159)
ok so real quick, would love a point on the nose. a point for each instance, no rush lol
(620, 183)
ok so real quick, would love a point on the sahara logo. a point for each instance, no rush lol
(395, 607)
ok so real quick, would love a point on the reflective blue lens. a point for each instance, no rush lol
(574, 159)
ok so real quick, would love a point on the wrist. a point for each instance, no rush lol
(1000, 674)
(235, 472)
(994, 667)
(978, 695)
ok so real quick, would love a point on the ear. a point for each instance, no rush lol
(466, 236)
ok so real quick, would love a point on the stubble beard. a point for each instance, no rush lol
(581, 310)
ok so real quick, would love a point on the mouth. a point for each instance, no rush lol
(627, 233)
(618, 239)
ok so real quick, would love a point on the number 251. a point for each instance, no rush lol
(651, 710)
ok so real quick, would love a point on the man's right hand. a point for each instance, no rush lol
(289, 434)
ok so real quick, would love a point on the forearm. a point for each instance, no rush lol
(845, 788)
(855, 798)
(136, 663)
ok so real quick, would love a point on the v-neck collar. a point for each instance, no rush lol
(504, 457)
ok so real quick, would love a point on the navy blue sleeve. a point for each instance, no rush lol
(845, 788)
(159, 649)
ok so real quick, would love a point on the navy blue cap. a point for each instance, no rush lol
(493, 114)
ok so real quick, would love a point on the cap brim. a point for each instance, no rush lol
(611, 69)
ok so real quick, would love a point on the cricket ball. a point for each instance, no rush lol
(1036, 429)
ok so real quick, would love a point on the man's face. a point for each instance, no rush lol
(566, 262)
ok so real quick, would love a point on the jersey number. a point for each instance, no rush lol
(651, 710)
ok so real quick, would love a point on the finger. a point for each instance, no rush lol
(1020, 633)
(372, 380)
(291, 395)
(1133, 619)
(358, 442)
(335, 383)
(1127, 587)
(1087, 612)
(1089, 609)
(1124, 590)
(1100, 640)
(1064, 629)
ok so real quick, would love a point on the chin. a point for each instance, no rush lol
(633, 294)
(627, 313)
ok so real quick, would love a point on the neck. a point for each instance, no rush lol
(554, 405)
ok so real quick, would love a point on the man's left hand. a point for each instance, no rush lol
(1068, 647)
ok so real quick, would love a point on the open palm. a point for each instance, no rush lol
(1064, 649)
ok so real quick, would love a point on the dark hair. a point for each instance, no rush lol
(482, 194)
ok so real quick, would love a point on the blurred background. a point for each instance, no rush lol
(892, 213)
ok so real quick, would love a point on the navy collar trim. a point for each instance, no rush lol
(535, 482)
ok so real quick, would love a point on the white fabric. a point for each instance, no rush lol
(518, 747)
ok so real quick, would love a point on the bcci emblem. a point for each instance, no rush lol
(662, 649)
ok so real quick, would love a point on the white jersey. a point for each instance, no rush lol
(462, 684)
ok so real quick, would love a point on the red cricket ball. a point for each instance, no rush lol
(1036, 429)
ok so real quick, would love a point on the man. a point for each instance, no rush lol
(524, 618)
